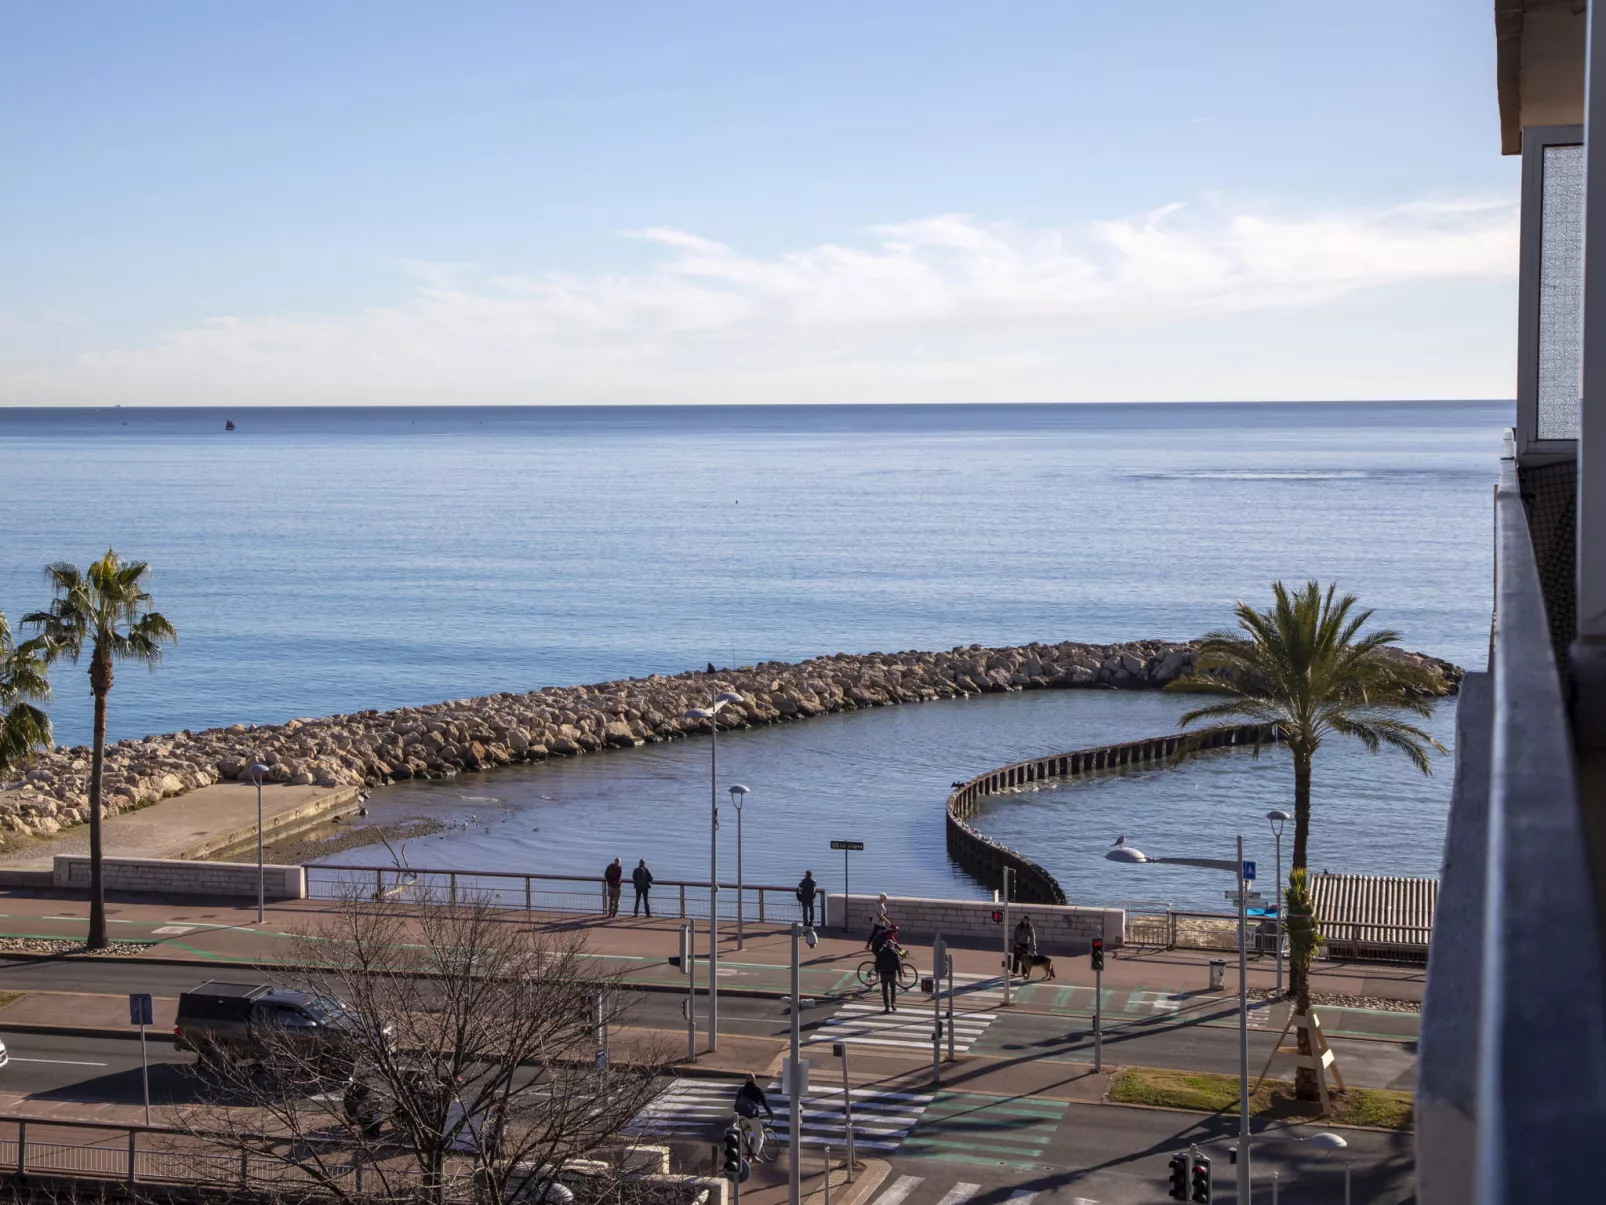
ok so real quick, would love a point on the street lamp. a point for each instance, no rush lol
(738, 793)
(1279, 818)
(258, 772)
(711, 714)
(1126, 853)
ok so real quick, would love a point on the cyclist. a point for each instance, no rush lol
(750, 1102)
(888, 964)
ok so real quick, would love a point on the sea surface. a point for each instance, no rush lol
(317, 561)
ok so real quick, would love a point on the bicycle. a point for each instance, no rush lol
(757, 1139)
(908, 974)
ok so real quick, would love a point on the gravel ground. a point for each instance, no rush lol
(67, 945)
(1341, 1000)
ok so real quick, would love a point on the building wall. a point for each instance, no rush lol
(1060, 929)
(160, 876)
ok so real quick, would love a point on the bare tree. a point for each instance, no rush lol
(454, 1061)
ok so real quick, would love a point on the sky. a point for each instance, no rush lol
(487, 203)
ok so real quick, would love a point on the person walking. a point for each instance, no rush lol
(1025, 947)
(613, 883)
(642, 878)
(887, 965)
(881, 925)
(806, 891)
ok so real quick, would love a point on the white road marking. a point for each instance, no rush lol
(57, 1062)
(1021, 1197)
(960, 1193)
(900, 1190)
(172, 930)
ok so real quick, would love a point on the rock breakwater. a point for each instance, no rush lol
(442, 739)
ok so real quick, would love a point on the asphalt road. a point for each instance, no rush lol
(1120, 1156)
(1195, 1040)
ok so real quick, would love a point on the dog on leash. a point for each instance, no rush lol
(1040, 961)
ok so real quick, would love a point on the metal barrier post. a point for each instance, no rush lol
(452, 886)
(133, 1136)
(22, 1150)
(683, 901)
(527, 906)
(245, 1167)
(761, 905)
(379, 883)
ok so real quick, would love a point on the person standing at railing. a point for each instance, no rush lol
(806, 891)
(642, 878)
(613, 883)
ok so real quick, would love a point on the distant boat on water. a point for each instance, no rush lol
(229, 425)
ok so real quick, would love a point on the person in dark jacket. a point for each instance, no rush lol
(806, 891)
(750, 1102)
(887, 965)
(1025, 946)
(613, 883)
(642, 878)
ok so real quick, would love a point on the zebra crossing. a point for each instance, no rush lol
(901, 1189)
(691, 1108)
(909, 1028)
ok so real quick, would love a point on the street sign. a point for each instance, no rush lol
(1249, 871)
(847, 845)
(139, 1008)
(1250, 897)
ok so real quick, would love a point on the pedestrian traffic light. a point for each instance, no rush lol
(1098, 953)
(1199, 1181)
(733, 1153)
(1179, 1176)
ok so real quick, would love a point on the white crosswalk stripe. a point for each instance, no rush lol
(960, 1193)
(899, 1192)
(909, 1028)
(700, 1108)
(1021, 1197)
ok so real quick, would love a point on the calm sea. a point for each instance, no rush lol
(317, 561)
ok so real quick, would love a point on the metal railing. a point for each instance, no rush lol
(581, 894)
(35, 1146)
(1165, 928)
(1542, 1044)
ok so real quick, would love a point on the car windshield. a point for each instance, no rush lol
(322, 1008)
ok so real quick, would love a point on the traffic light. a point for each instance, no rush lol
(1199, 1182)
(1179, 1176)
(733, 1153)
(1098, 953)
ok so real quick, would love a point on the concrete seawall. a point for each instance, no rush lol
(987, 859)
(1060, 929)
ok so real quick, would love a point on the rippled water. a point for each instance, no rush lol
(317, 561)
(881, 777)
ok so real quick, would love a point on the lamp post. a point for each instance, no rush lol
(258, 772)
(711, 714)
(739, 793)
(1279, 818)
(1126, 853)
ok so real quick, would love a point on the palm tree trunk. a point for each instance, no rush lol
(1299, 975)
(100, 679)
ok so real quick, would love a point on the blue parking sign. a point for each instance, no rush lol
(139, 1008)
(1249, 871)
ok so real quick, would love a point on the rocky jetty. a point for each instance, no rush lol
(442, 739)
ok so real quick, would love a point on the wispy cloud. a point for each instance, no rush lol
(891, 314)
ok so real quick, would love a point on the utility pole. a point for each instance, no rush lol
(1243, 1035)
(794, 1087)
(1006, 936)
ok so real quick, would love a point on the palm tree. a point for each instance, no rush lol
(107, 611)
(1305, 667)
(24, 728)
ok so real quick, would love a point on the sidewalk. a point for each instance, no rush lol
(193, 825)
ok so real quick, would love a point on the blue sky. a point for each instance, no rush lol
(370, 203)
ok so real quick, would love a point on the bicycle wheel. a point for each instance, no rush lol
(867, 975)
(908, 976)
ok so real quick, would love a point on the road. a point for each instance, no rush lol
(1202, 1035)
